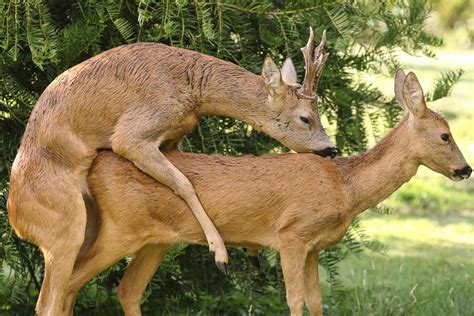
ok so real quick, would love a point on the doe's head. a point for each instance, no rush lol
(429, 133)
(294, 118)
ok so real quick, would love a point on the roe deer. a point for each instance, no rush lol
(137, 100)
(298, 204)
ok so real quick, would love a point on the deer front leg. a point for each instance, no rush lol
(312, 290)
(146, 156)
(138, 275)
(293, 257)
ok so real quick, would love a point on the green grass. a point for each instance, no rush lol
(428, 269)
(429, 266)
(430, 194)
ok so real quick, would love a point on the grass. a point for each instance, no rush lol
(429, 267)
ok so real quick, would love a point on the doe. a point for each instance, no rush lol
(298, 204)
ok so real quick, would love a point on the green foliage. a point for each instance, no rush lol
(455, 14)
(39, 40)
(444, 85)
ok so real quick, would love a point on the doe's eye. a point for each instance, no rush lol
(445, 137)
(305, 120)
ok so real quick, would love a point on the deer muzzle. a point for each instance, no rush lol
(463, 173)
(327, 152)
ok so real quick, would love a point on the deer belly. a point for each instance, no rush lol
(331, 236)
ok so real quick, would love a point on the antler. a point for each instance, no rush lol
(313, 67)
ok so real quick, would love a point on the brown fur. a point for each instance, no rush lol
(298, 204)
(134, 99)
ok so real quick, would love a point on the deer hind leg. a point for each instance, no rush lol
(293, 257)
(91, 264)
(138, 275)
(59, 261)
(59, 232)
(148, 158)
(312, 291)
(106, 250)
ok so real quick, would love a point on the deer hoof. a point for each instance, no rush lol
(254, 261)
(224, 267)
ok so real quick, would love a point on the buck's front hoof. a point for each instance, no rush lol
(223, 266)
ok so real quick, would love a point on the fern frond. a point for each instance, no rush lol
(41, 34)
(444, 84)
(123, 26)
(340, 21)
(126, 29)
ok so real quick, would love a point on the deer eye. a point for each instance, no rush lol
(445, 137)
(305, 120)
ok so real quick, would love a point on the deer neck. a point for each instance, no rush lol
(374, 175)
(237, 93)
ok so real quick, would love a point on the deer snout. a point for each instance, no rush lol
(463, 173)
(327, 152)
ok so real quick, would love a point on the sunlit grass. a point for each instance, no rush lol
(432, 194)
(428, 269)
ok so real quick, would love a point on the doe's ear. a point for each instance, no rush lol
(399, 81)
(288, 72)
(272, 77)
(413, 95)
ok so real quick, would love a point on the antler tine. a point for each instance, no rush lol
(310, 45)
(313, 67)
(308, 60)
(320, 59)
(321, 65)
(320, 47)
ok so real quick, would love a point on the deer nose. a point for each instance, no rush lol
(327, 152)
(464, 172)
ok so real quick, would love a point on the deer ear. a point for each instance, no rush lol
(399, 80)
(272, 77)
(413, 95)
(288, 72)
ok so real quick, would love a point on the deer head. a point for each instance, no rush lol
(294, 107)
(429, 134)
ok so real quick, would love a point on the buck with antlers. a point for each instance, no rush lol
(272, 202)
(137, 100)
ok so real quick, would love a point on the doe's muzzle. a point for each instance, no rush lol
(464, 172)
